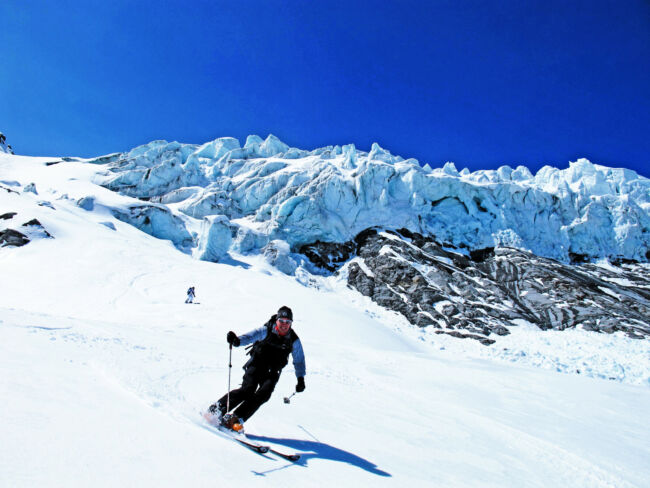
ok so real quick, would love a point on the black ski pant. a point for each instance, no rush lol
(257, 386)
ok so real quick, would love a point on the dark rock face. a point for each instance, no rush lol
(10, 237)
(482, 295)
(36, 226)
(32, 223)
(30, 230)
(109, 158)
(4, 147)
(328, 255)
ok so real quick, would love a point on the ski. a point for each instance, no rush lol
(264, 449)
(245, 441)
(253, 446)
(289, 457)
(258, 448)
(293, 457)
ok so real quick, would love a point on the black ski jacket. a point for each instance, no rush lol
(270, 350)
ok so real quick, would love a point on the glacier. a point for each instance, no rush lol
(266, 192)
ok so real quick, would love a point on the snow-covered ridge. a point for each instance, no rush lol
(4, 147)
(268, 191)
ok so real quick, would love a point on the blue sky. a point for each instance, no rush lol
(480, 83)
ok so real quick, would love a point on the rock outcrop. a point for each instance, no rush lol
(4, 147)
(482, 294)
(11, 237)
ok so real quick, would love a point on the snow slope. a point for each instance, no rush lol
(105, 370)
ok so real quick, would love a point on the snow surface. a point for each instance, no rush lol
(104, 371)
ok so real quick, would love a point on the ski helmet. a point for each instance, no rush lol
(285, 312)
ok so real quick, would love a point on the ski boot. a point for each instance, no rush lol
(232, 422)
(215, 413)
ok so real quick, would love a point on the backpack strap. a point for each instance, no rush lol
(269, 327)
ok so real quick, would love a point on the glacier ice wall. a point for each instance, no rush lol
(267, 191)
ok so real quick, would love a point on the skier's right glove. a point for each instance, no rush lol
(300, 387)
(232, 339)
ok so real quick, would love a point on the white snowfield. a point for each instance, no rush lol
(104, 371)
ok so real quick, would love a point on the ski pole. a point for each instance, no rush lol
(286, 399)
(229, 370)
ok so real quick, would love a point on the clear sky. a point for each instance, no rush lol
(480, 83)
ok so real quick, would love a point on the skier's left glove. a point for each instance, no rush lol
(232, 339)
(300, 387)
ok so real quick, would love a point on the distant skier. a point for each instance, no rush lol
(190, 295)
(272, 344)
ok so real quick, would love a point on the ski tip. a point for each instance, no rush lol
(289, 457)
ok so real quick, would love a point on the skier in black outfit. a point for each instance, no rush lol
(272, 344)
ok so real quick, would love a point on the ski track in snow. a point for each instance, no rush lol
(170, 385)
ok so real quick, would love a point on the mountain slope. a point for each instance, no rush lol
(484, 294)
(496, 247)
(106, 370)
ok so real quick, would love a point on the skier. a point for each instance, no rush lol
(272, 344)
(190, 295)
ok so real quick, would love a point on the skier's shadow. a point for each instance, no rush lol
(320, 450)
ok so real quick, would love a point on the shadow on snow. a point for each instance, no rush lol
(320, 450)
(230, 261)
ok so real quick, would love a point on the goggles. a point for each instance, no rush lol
(285, 322)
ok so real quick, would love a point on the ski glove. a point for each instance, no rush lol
(300, 387)
(232, 339)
